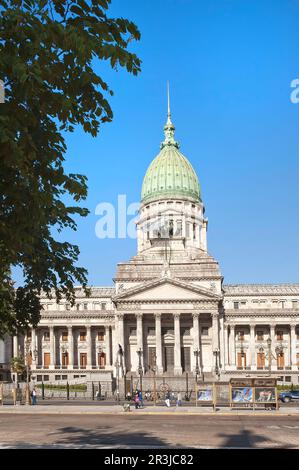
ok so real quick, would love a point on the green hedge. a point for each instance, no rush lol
(72, 388)
(287, 387)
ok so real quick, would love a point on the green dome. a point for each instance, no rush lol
(170, 175)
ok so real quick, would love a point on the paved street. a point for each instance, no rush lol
(148, 431)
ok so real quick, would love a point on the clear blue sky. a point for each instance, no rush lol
(230, 64)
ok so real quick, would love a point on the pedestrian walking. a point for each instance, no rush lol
(136, 400)
(167, 399)
(33, 396)
(140, 398)
(179, 399)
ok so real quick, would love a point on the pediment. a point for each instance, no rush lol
(166, 289)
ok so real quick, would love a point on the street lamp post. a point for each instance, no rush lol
(216, 354)
(196, 354)
(117, 379)
(139, 352)
(269, 343)
(27, 352)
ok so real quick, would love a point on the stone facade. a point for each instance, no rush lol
(169, 312)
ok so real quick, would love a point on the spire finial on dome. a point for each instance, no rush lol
(169, 127)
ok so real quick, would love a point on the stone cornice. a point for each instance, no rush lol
(260, 289)
(243, 313)
(78, 316)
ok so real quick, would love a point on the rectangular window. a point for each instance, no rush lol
(282, 304)
(185, 331)
(83, 360)
(280, 361)
(103, 306)
(241, 335)
(82, 335)
(39, 378)
(85, 306)
(241, 360)
(57, 377)
(260, 360)
(64, 336)
(46, 378)
(236, 305)
(288, 378)
(78, 306)
(68, 307)
(205, 331)
(101, 335)
(65, 359)
(260, 335)
(279, 335)
(46, 360)
(64, 377)
(133, 332)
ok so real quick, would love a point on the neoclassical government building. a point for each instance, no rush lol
(169, 310)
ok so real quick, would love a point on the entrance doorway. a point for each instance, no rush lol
(186, 359)
(168, 358)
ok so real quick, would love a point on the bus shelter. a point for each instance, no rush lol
(253, 393)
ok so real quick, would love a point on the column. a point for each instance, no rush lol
(293, 348)
(272, 333)
(159, 364)
(232, 346)
(107, 345)
(70, 347)
(221, 340)
(215, 331)
(252, 347)
(15, 346)
(226, 360)
(33, 348)
(177, 345)
(196, 343)
(139, 333)
(89, 346)
(273, 345)
(52, 346)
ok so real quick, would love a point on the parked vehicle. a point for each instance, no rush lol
(289, 395)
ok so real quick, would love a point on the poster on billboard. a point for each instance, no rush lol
(242, 395)
(205, 395)
(265, 395)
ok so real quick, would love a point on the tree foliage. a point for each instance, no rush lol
(48, 50)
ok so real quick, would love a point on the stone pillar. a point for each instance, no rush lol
(293, 347)
(232, 346)
(159, 363)
(196, 342)
(52, 347)
(221, 341)
(177, 345)
(272, 334)
(89, 346)
(107, 345)
(252, 347)
(139, 332)
(226, 360)
(215, 331)
(70, 347)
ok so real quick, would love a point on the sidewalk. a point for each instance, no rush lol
(152, 410)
